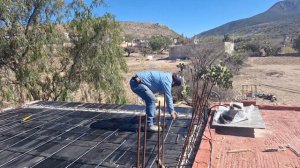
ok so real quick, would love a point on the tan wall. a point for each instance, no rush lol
(183, 51)
(178, 51)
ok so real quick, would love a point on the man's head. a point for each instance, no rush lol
(176, 80)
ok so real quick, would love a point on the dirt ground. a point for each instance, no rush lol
(279, 76)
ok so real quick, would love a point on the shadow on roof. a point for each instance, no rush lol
(241, 132)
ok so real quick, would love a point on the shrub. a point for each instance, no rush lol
(296, 43)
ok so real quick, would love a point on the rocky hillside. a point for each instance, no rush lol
(146, 30)
(282, 19)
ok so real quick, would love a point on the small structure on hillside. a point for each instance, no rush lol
(196, 41)
(229, 47)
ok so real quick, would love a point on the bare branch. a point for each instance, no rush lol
(33, 16)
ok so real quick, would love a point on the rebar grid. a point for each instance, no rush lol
(51, 139)
(158, 137)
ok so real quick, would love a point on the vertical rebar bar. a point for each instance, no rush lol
(163, 131)
(167, 133)
(145, 142)
(158, 136)
(139, 141)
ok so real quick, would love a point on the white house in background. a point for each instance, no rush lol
(133, 43)
(229, 47)
(175, 40)
(196, 41)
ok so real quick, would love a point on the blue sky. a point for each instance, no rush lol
(187, 17)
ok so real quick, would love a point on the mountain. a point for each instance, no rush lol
(283, 18)
(146, 30)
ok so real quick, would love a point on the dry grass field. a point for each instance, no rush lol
(279, 76)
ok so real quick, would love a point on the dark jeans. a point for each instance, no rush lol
(147, 95)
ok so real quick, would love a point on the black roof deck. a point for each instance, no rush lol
(69, 134)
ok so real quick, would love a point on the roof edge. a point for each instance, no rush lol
(279, 107)
(17, 106)
(202, 158)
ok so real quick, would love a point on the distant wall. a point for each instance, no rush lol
(179, 51)
(183, 51)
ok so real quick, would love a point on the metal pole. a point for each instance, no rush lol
(145, 142)
(171, 123)
(158, 136)
(163, 131)
(139, 142)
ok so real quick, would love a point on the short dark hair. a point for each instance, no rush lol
(176, 80)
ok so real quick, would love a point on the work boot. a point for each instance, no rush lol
(153, 128)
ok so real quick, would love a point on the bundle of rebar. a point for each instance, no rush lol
(202, 89)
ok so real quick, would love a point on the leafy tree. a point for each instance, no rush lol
(181, 66)
(227, 38)
(269, 48)
(296, 44)
(205, 76)
(219, 75)
(182, 40)
(159, 42)
(128, 38)
(144, 49)
(205, 66)
(254, 47)
(42, 59)
(235, 61)
(129, 50)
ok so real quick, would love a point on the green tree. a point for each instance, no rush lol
(182, 40)
(43, 59)
(144, 49)
(296, 44)
(181, 66)
(129, 50)
(227, 38)
(159, 43)
(236, 61)
(128, 38)
(270, 48)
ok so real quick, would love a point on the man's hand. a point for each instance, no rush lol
(174, 115)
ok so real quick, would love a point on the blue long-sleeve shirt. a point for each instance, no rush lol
(159, 82)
